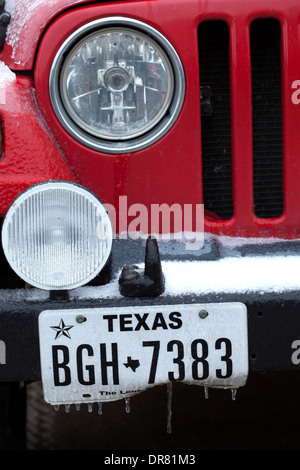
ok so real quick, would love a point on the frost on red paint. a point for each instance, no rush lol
(27, 22)
(30, 155)
(174, 164)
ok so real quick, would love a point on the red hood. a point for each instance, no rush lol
(28, 20)
(170, 171)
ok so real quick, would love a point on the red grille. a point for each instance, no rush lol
(244, 222)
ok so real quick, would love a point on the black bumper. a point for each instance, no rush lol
(273, 317)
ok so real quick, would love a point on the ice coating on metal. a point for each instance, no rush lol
(22, 11)
(6, 78)
(232, 275)
(6, 75)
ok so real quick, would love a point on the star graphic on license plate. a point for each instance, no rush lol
(62, 329)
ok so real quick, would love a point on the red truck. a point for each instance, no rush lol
(149, 191)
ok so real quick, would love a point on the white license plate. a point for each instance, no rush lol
(104, 354)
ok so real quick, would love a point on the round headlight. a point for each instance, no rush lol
(117, 85)
(57, 235)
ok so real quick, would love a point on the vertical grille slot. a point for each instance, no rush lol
(265, 38)
(216, 127)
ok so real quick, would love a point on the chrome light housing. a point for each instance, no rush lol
(57, 235)
(117, 85)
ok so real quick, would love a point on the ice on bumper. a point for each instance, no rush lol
(233, 275)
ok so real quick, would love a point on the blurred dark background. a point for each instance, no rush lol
(264, 416)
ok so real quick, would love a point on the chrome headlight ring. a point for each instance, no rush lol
(120, 74)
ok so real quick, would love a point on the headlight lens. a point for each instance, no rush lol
(116, 88)
(116, 84)
(57, 235)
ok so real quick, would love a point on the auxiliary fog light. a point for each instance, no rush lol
(57, 235)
